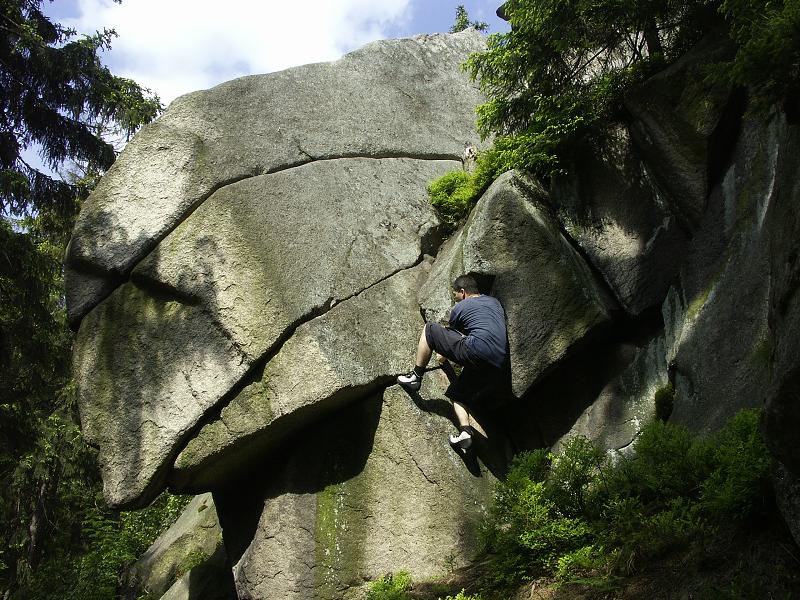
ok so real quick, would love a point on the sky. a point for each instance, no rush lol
(178, 46)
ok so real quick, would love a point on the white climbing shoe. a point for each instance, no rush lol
(462, 440)
(410, 381)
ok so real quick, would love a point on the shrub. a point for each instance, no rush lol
(738, 484)
(391, 587)
(455, 193)
(581, 518)
(767, 61)
(451, 196)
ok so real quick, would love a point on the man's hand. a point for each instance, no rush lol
(441, 359)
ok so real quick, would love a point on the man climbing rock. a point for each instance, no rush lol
(474, 338)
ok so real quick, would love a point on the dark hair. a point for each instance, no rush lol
(467, 283)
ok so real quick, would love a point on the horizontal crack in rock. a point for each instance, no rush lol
(259, 363)
(84, 266)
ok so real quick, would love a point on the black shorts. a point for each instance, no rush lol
(448, 342)
(478, 380)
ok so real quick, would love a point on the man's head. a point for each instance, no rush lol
(465, 286)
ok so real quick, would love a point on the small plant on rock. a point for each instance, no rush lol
(392, 586)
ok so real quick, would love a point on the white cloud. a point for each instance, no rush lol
(178, 46)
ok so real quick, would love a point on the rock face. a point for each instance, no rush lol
(551, 298)
(333, 367)
(376, 489)
(192, 549)
(247, 276)
(614, 211)
(216, 214)
(253, 273)
(625, 404)
(210, 309)
(679, 126)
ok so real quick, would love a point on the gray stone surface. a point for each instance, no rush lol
(146, 368)
(781, 216)
(391, 98)
(263, 254)
(718, 335)
(787, 496)
(229, 285)
(551, 298)
(610, 206)
(675, 118)
(626, 404)
(377, 489)
(211, 580)
(348, 352)
(257, 256)
(193, 540)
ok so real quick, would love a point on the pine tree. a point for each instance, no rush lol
(462, 21)
(57, 97)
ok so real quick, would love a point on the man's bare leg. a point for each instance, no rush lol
(462, 414)
(424, 351)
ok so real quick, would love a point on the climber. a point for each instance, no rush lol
(474, 338)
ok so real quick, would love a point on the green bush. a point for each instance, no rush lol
(111, 540)
(737, 485)
(451, 196)
(462, 595)
(560, 75)
(455, 193)
(579, 517)
(116, 539)
(767, 35)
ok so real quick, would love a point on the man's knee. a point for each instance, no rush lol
(429, 338)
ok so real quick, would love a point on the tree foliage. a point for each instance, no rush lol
(565, 64)
(768, 58)
(577, 516)
(58, 99)
(56, 94)
(562, 72)
(462, 21)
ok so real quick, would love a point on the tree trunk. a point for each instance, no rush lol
(652, 38)
(36, 518)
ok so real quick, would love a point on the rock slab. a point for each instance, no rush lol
(356, 347)
(551, 298)
(227, 287)
(192, 543)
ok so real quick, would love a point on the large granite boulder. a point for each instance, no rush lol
(375, 489)
(718, 336)
(781, 216)
(781, 347)
(349, 352)
(253, 273)
(512, 242)
(394, 98)
(626, 403)
(227, 287)
(272, 220)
